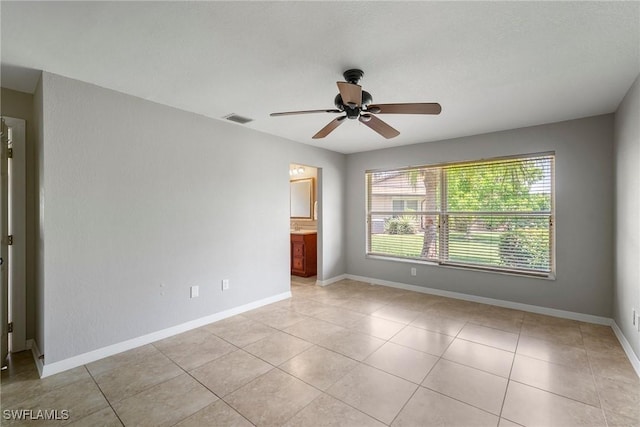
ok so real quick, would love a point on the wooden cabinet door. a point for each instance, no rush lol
(303, 254)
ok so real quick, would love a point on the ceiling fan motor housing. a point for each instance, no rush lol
(353, 76)
(353, 113)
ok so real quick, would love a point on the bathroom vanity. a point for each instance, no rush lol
(304, 253)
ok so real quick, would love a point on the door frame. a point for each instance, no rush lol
(315, 216)
(17, 228)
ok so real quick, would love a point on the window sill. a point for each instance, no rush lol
(544, 276)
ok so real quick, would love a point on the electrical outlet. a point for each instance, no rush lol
(195, 291)
(225, 284)
(413, 271)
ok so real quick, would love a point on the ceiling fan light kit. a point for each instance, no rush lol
(357, 104)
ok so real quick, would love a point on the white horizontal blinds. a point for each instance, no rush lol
(407, 236)
(491, 214)
(404, 191)
(499, 214)
(519, 242)
(518, 185)
(403, 212)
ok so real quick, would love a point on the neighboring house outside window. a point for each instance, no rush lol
(492, 214)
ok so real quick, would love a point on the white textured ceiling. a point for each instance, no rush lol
(491, 65)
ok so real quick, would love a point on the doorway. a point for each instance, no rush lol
(13, 236)
(304, 215)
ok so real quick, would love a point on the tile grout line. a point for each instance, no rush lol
(194, 378)
(462, 364)
(593, 376)
(466, 322)
(199, 382)
(322, 392)
(425, 377)
(441, 393)
(552, 392)
(595, 382)
(513, 362)
(358, 364)
(103, 395)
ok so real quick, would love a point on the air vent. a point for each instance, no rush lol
(238, 119)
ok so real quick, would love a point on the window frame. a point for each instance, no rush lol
(443, 214)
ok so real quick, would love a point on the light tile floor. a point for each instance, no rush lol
(350, 354)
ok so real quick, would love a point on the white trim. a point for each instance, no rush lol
(633, 358)
(544, 276)
(17, 228)
(483, 300)
(331, 280)
(91, 356)
(35, 352)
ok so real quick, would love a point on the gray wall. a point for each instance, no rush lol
(20, 105)
(141, 199)
(38, 119)
(627, 215)
(584, 179)
(136, 195)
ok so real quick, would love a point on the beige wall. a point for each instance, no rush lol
(20, 105)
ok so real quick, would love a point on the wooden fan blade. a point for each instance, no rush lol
(329, 128)
(290, 113)
(418, 108)
(379, 126)
(351, 93)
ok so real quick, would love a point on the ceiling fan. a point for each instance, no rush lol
(357, 104)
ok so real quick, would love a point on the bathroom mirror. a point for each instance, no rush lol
(302, 198)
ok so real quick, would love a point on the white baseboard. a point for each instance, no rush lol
(633, 358)
(483, 300)
(46, 370)
(331, 280)
(91, 356)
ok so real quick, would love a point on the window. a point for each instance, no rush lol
(491, 214)
(398, 205)
(402, 205)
